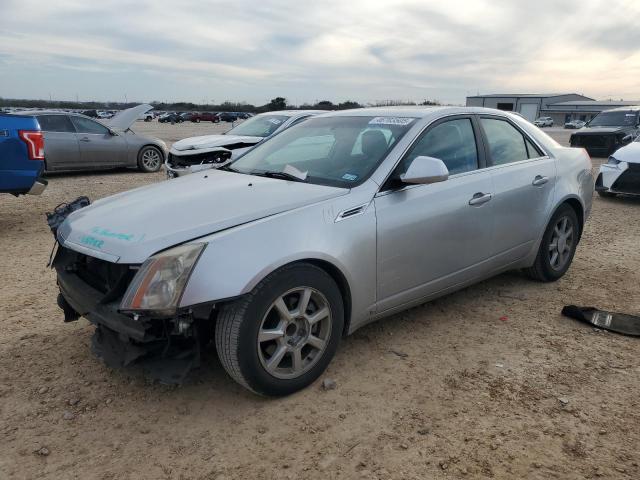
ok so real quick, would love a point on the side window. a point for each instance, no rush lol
(532, 150)
(506, 143)
(84, 125)
(55, 123)
(452, 141)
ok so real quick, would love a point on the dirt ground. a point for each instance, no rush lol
(490, 382)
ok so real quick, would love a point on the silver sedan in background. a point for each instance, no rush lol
(338, 221)
(77, 142)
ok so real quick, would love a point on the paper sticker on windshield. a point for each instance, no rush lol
(275, 121)
(350, 176)
(401, 121)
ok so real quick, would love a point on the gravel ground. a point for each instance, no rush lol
(490, 382)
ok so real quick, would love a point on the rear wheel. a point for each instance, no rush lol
(280, 337)
(150, 159)
(558, 246)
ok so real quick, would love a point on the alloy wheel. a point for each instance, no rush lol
(294, 332)
(151, 159)
(561, 244)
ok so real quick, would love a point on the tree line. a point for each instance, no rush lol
(278, 103)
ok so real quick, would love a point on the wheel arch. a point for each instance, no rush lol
(577, 207)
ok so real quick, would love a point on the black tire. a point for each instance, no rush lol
(239, 323)
(144, 163)
(542, 269)
(197, 120)
(605, 194)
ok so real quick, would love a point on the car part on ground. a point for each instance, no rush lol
(76, 142)
(314, 233)
(614, 322)
(212, 151)
(621, 173)
(608, 131)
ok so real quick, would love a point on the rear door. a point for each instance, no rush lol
(98, 146)
(61, 145)
(524, 179)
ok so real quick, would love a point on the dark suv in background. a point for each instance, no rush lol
(608, 131)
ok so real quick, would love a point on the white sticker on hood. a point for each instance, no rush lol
(402, 121)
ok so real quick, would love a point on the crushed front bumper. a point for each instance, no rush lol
(166, 348)
(623, 178)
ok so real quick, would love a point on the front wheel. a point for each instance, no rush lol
(281, 336)
(558, 246)
(149, 159)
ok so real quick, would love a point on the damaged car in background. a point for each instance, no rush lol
(621, 173)
(338, 221)
(77, 142)
(608, 131)
(211, 151)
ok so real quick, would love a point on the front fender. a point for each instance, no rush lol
(237, 259)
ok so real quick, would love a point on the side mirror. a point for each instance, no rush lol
(424, 170)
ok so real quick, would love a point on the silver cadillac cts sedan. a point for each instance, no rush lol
(341, 220)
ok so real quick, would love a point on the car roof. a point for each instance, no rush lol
(294, 113)
(631, 108)
(416, 111)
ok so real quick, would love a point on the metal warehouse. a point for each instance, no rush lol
(562, 108)
(529, 105)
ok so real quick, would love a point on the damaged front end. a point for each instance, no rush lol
(178, 165)
(166, 341)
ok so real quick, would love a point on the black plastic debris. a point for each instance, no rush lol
(614, 322)
(62, 211)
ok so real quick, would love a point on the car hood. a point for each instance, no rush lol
(131, 226)
(125, 118)
(600, 130)
(629, 153)
(212, 141)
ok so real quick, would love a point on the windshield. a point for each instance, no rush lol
(338, 151)
(614, 119)
(260, 126)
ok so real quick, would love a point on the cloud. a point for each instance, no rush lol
(362, 49)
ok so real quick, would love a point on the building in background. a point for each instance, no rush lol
(529, 105)
(562, 108)
(564, 112)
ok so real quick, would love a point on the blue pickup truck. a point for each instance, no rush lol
(21, 155)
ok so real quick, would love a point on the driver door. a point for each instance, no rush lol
(98, 146)
(433, 237)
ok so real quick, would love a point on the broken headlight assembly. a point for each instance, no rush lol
(613, 161)
(157, 287)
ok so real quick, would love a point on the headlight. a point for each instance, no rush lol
(158, 285)
(613, 161)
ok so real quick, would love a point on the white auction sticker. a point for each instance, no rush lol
(275, 121)
(402, 121)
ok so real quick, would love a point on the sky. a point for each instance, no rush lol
(209, 51)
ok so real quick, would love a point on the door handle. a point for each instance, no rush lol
(85, 139)
(480, 198)
(539, 180)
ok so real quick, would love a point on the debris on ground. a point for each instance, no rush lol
(614, 322)
(329, 384)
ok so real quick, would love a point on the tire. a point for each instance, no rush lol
(252, 333)
(605, 194)
(150, 159)
(544, 269)
(197, 120)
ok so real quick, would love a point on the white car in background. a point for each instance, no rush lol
(212, 151)
(621, 174)
(543, 122)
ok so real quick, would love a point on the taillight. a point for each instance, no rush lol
(35, 143)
